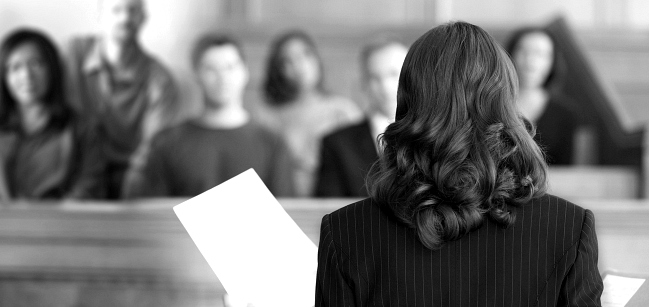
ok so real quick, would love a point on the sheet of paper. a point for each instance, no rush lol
(256, 250)
(618, 290)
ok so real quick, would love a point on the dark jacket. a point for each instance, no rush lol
(547, 258)
(346, 157)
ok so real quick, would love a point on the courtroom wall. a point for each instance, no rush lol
(174, 24)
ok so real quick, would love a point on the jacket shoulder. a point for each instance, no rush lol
(559, 216)
(348, 219)
(553, 202)
(353, 208)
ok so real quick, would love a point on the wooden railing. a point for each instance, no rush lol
(138, 254)
(595, 182)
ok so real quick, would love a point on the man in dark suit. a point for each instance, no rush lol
(347, 154)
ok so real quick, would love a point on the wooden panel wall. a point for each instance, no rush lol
(138, 254)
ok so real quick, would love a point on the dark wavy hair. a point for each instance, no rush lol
(278, 89)
(459, 149)
(55, 96)
(557, 70)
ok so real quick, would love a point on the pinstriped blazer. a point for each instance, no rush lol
(547, 258)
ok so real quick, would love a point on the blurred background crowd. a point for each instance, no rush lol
(120, 99)
(106, 102)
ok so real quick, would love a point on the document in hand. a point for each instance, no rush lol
(256, 250)
(622, 290)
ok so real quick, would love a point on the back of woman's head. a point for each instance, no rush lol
(279, 88)
(459, 149)
(54, 97)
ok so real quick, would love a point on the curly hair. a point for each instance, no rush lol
(55, 96)
(278, 89)
(459, 149)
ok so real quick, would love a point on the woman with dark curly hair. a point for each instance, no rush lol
(458, 214)
(298, 107)
(44, 152)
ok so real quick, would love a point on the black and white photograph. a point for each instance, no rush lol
(237, 153)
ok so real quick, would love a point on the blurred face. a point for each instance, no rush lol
(121, 20)
(382, 78)
(27, 74)
(222, 75)
(300, 64)
(533, 57)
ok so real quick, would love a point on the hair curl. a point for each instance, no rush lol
(459, 149)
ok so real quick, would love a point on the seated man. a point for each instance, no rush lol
(348, 154)
(222, 142)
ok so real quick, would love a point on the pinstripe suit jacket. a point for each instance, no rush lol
(547, 258)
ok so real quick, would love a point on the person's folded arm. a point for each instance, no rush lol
(162, 97)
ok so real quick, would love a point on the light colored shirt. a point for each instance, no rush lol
(302, 124)
(129, 105)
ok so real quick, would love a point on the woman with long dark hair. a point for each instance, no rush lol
(458, 214)
(539, 65)
(298, 107)
(44, 153)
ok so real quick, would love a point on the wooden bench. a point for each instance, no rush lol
(138, 254)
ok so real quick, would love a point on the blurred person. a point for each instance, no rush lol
(223, 142)
(298, 106)
(457, 214)
(45, 153)
(123, 90)
(348, 153)
(538, 63)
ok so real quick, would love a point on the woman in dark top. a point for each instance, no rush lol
(43, 152)
(538, 64)
(457, 214)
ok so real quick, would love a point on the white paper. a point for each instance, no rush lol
(618, 290)
(256, 250)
